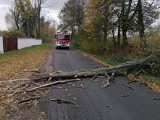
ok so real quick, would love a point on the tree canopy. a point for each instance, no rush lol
(101, 19)
(25, 16)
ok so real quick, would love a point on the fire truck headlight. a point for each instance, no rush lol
(58, 42)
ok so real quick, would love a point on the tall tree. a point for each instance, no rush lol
(97, 19)
(71, 15)
(147, 13)
(26, 16)
(13, 18)
(24, 7)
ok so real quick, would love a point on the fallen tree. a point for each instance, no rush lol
(118, 70)
(60, 77)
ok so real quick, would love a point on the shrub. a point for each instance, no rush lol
(13, 33)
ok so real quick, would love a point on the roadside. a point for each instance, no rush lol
(14, 65)
(31, 110)
(152, 81)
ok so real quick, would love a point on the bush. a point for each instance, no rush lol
(120, 58)
(13, 33)
(75, 42)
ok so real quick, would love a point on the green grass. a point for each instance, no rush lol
(14, 53)
(102, 58)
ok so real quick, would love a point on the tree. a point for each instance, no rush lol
(25, 15)
(25, 10)
(121, 16)
(37, 16)
(71, 15)
(147, 13)
(13, 18)
(47, 29)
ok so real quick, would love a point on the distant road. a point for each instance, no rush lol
(116, 102)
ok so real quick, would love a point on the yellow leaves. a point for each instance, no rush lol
(13, 67)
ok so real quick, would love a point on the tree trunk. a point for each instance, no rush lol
(119, 69)
(39, 3)
(113, 37)
(119, 35)
(104, 35)
(124, 24)
(141, 23)
(125, 40)
(28, 28)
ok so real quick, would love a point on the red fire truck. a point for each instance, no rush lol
(62, 40)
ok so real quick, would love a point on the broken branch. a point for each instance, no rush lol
(60, 101)
(50, 84)
(155, 98)
(29, 99)
(128, 86)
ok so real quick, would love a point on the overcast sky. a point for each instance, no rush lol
(51, 9)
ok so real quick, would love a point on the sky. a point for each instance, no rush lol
(50, 8)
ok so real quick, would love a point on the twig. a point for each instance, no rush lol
(126, 95)
(108, 78)
(16, 80)
(20, 90)
(113, 74)
(94, 77)
(50, 78)
(50, 84)
(106, 75)
(113, 80)
(60, 101)
(106, 85)
(155, 98)
(139, 72)
(108, 106)
(129, 86)
(132, 81)
(29, 99)
(33, 70)
(20, 85)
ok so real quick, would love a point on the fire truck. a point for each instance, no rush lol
(62, 40)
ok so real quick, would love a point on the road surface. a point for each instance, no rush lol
(91, 102)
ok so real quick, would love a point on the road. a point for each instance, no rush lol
(91, 102)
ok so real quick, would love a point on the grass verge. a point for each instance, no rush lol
(103, 60)
(12, 65)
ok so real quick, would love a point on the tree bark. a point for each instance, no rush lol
(141, 23)
(113, 37)
(119, 69)
(119, 34)
(124, 33)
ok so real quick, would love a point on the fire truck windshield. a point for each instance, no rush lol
(64, 37)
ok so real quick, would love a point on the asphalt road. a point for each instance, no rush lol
(91, 102)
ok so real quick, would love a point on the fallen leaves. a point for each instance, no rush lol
(12, 67)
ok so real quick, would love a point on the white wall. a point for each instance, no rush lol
(27, 42)
(1, 45)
